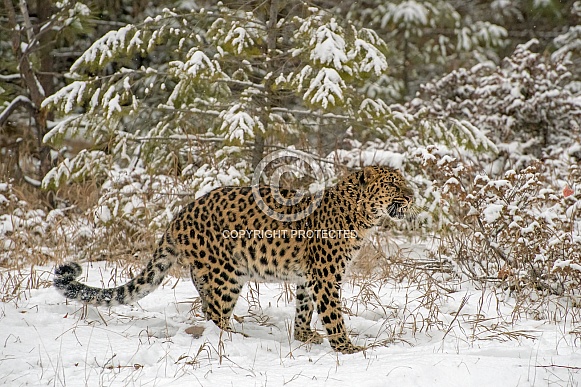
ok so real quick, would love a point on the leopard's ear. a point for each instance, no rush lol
(361, 178)
(367, 175)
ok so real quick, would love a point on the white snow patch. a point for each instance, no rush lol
(359, 158)
(492, 212)
(50, 341)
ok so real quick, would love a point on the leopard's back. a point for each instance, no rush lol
(227, 227)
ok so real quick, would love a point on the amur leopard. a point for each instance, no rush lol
(226, 239)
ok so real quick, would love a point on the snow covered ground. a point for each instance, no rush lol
(416, 338)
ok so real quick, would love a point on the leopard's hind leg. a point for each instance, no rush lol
(219, 290)
(198, 280)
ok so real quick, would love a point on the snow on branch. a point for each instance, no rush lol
(196, 65)
(60, 130)
(371, 58)
(71, 95)
(326, 88)
(408, 13)
(476, 137)
(329, 46)
(333, 58)
(197, 69)
(239, 125)
(238, 33)
(568, 42)
(87, 163)
(15, 104)
(105, 49)
(9, 77)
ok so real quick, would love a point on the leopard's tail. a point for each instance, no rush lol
(164, 257)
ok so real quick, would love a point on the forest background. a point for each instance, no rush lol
(113, 114)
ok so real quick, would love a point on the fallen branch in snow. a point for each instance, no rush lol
(558, 366)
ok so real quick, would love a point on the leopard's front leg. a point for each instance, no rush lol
(325, 291)
(304, 315)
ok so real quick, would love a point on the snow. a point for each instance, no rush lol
(50, 341)
(329, 46)
(5, 113)
(542, 3)
(492, 212)
(197, 63)
(113, 105)
(240, 38)
(408, 13)
(9, 77)
(489, 33)
(325, 88)
(373, 59)
(208, 178)
(72, 94)
(566, 264)
(103, 214)
(567, 43)
(238, 124)
(105, 47)
(498, 184)
(357, 158)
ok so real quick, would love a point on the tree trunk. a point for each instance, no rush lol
(272, 34)
(46, 78)
(37, 82)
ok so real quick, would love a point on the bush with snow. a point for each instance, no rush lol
(525, 105)
(520, 230)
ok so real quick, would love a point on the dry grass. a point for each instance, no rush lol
(424, 281)
(16, 285)
(382, 264)
(45, 236)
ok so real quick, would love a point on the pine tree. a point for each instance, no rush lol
(427, 38)
(230, 85)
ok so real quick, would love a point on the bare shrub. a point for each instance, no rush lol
(519, 230)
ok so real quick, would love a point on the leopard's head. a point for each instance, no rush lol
(383, 191)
